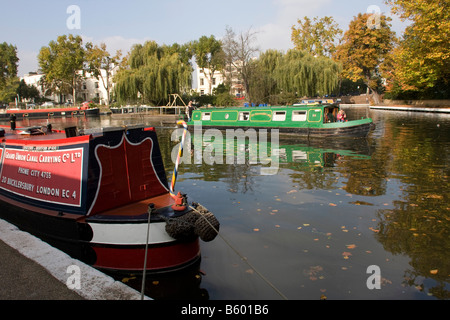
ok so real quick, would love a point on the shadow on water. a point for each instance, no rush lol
(176, 285)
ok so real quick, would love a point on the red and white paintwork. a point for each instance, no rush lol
(102, 185)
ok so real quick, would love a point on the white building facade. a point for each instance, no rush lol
(89, 88)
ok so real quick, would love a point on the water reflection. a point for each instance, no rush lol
(332, 210)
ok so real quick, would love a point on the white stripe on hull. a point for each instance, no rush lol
(129, 233)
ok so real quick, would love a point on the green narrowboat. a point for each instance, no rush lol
(301, 120)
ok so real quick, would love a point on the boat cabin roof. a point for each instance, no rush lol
(293, 107)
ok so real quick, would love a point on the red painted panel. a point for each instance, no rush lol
(158, 257)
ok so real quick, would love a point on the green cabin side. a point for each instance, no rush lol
(281, 117)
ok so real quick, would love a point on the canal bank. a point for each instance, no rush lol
(30, 269)
(406, 108)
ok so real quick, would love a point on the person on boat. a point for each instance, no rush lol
(188, 110)
(341, 116)
(330, 116)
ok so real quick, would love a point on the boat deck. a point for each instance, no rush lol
(24, 134)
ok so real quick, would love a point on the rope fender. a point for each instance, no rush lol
(197, 222)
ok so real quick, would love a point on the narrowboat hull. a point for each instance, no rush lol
(305, 121)
(21, 114)
(93, 196)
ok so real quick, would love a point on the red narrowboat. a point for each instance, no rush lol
(101, 195)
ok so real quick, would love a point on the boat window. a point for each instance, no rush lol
(279, 116)
(244, 116)
(206, 116)
(299, 115)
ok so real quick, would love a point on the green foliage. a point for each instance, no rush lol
(421, 63)
(8, 62)
(152, 73)
(284, 78)
(27, 91)
(209, 57)
(98, 59)
(316, 36)
(8, 72)
(61, 62)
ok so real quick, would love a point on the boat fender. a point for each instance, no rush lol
(182, 228)
(207, 226)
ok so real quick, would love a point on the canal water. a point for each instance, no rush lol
(359, 219)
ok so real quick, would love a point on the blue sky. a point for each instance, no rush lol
(32, 24)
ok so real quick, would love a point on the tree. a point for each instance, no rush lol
(423, 58)
(62, 62)
(302, 74)
(317, 36)
(152, 72)
(8, 71)
(27, 91)
(364, 48)
(239, 53)
(263, 83)
(98, 59)
(8, 62)
(209, 57)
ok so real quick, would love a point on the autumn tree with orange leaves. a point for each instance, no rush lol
(422, 60)
(364, 48)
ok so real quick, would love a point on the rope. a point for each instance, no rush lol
(177, 162)
(241, 256)
(144, 270)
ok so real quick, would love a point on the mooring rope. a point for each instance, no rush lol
(144, 270)
(228, 243)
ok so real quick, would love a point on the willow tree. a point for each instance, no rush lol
(263, 85)
(305, 75)
(153, 72)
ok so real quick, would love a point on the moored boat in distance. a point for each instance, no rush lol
(310, 120)
(98, 195)
(21, 114)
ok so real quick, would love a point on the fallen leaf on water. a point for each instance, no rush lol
(292, 191)
(435, 196)
(350, 246)
(332, 204)
(249, 271)
(125, 280)
(346, 255)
